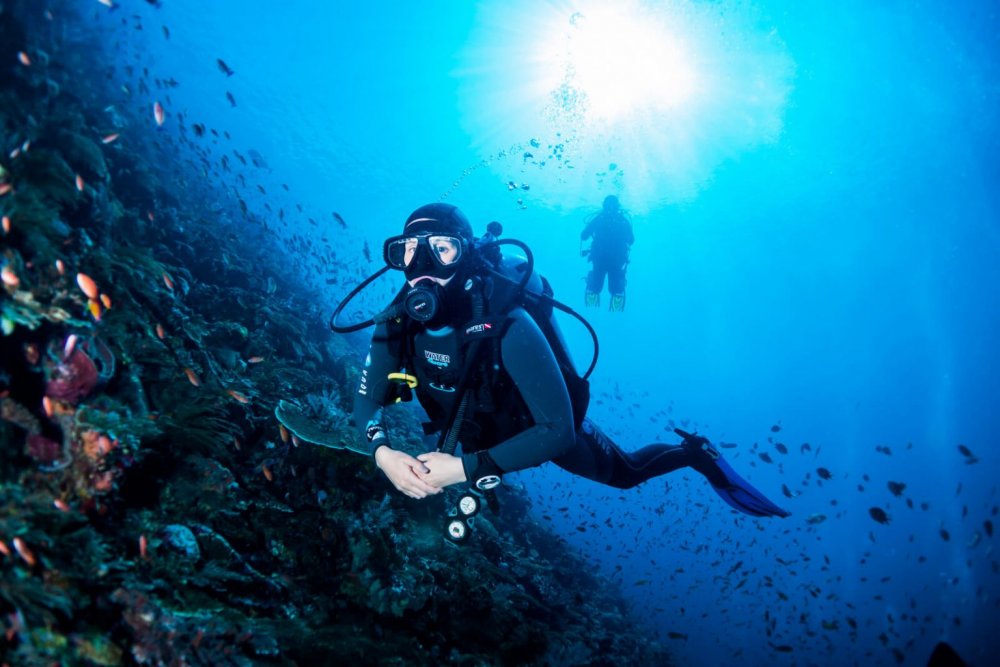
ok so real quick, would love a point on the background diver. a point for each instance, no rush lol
(612, 235)
(492, 373)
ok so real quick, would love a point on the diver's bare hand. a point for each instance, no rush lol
(404, 472)
(442, 469)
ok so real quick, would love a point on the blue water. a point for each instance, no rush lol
(817, 248)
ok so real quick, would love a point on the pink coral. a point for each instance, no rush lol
(72, 378)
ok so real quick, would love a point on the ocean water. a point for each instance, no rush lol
(813, 188)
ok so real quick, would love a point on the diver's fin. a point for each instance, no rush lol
(617, 304)
(308, 430)
(592, 299)
(742, 496)
(736, 491)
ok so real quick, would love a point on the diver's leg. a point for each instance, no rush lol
(595, 283)
(598, 458)
(616, 285)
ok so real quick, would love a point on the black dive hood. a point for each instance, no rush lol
(422, 301)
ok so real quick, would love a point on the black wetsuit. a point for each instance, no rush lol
(521, 414)
(613, 237)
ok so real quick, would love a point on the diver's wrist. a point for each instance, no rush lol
(377, 449)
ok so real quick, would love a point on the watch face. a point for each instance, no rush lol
(488, 482)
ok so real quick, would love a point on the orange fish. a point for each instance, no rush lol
(23, 57)
(158, 114)
(107, 139)
(238, 396)
(143, 547)
(106, 300)
(192, 377)
(69, 345)
(47, 406)
(267, 472)
(4, 549)
(60, 505)
(60, 267)
(79, 182)
(255, 360)
(5, 188)
(9, 277)
(168, 282)
(160, 333)
(87, 284)
(284, 432)
(24, 552)
(95, 309)
(6, 225)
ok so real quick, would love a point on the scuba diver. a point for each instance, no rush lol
(612, 237)
(472, 333)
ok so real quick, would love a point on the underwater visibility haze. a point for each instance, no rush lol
(189, 189)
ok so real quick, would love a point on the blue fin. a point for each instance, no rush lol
(742, 496)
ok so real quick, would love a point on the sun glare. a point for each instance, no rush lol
(622, 63)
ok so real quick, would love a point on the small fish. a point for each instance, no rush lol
(6, 224)
(815, 519)
(106, 3)
(824, 473)
(236, 443)
(87, 284)
(642, 582)
(676, 635)
(79, 182)
(284, 433)
(106, 301)
(60, 267)
(339, 219)
(143, 547)
(109, 138)
(24, 552)
(945, 535)
(238, 396)
(224, 68)
(4, 549)
(897, 488)
(95, 309)
(255, 360)
(5, 188)
(782, 449)
(879, 515)
(23, 57)
(267, 472)
(168, 282)
(9, 276)
(47, 406)
(192, 377)
(69, 345)
(765, 457)
(782, 648)
(970, 458)
(160, 332)
(775, 428)
(60, 505)
(229, 96)
(158, 114)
